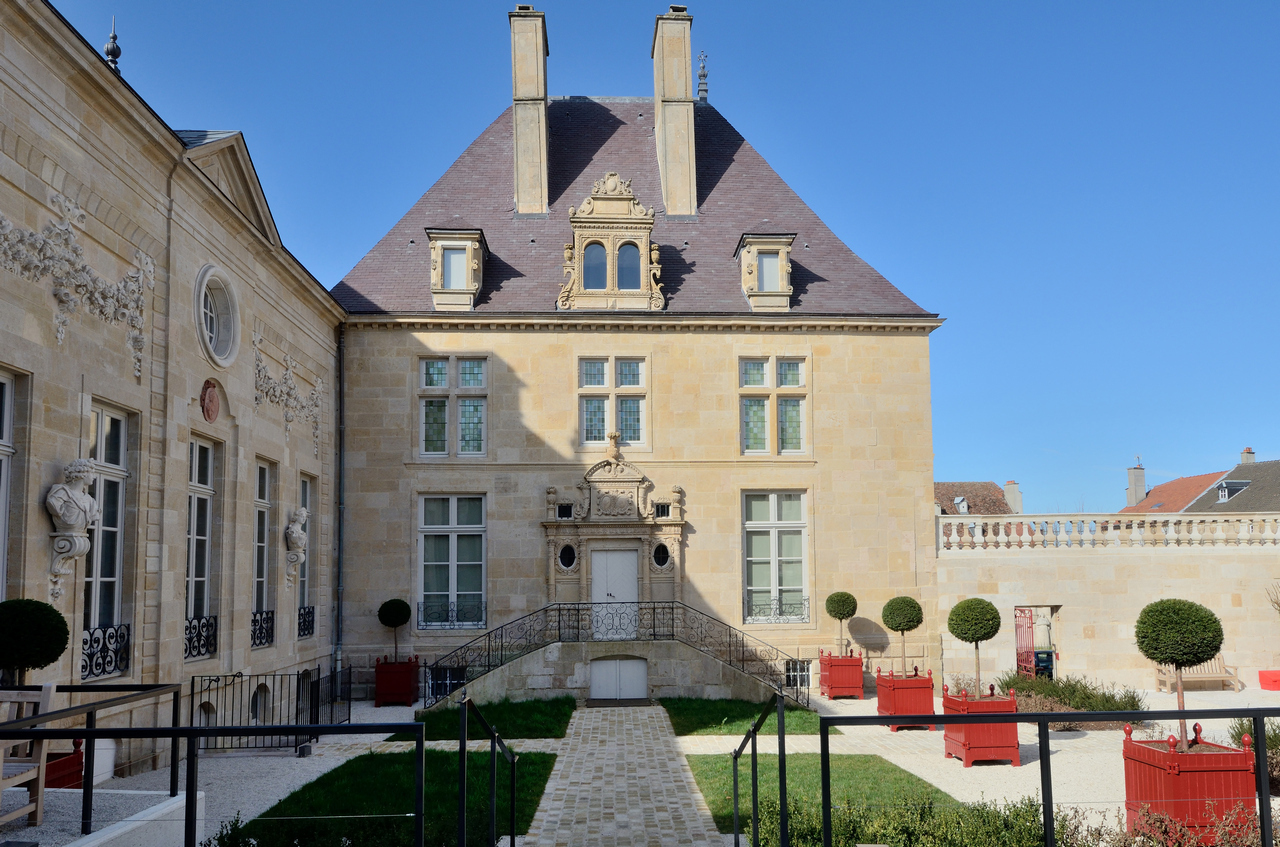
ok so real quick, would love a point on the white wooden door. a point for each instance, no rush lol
(619, 679)
(615, 591)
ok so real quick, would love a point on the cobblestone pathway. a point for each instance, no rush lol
(620, 780)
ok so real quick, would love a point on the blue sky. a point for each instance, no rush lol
(1089, 193)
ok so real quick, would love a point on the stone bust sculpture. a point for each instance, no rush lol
(295, 534)
(71, 507)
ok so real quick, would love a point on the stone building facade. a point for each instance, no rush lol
(155, 333)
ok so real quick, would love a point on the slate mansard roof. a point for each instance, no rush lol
(587, 137)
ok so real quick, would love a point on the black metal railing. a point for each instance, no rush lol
(278, 699)
(202, 637)
(193, 736)
(31, 727)
(776, 611)
(648, 621)
(104, 651)
(262, 628)
(776, 704)
(306, 621)
(1258, 717)
(496, 745)
(466, 614)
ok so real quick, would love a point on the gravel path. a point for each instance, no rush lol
(62, 813)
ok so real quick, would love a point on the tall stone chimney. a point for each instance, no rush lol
(673, 112)
(1013, 497)
(529, 52)
(1137, 485)
(1246, 456)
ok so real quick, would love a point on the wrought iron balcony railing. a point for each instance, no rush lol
(464, 614)
(262, 628)
(202, 637)
(651, 621)
(104, 651)
(774, 610)
(306, 621)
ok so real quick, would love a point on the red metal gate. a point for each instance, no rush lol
(1024, 639)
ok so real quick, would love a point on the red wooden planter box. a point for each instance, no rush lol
(395, 682)
(840, 676)
(65, 770)
(904, 695)
(1269, 680)
(1181, 784)
(980, 742)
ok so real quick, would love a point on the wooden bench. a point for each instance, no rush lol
(22, 765)
(1214, 670)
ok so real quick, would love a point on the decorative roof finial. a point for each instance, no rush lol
(111, 49)
(702, 76)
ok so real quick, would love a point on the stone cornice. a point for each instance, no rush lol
(666, 322)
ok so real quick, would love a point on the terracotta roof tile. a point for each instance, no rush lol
(985, 498)
(1175, 495)
(737, 192)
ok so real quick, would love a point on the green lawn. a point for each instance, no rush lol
(521, 719)
(864, 779)
(369, 800)
(693, 716)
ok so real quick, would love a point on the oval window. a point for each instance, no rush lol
(567, 556)
(629, 268)
(593, 268)
(217, 317)
(661, 555)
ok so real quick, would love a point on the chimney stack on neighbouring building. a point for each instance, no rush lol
(673, 112)
(1013, 497)
(1246, 456)
(1137, 484)
(529, 52)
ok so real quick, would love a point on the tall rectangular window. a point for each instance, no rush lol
(200, 494)
(790, 425)
(455, 268)
(767, 268)
(774, 546)
(7, 451)
(452, 551)
(462, 405)
(262, 535)
(755, 427)
(612, 398)
(306, 485)
(108, 448)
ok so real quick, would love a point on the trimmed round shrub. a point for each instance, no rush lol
(842, 605)
(974, 620)
(1178, 632)
(32, 635)
(394, 613)
(902, 614)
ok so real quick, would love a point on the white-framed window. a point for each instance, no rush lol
(306, 499)
(103, 580)
(451, 553)
(613, 394)
(453, 392)
(767, 272)
(263, 533)
(200, 514)
(455, 267)
(7, 451)
(772, 401)
(217, 315)
(775, 552)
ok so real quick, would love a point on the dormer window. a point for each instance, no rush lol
(457, 267)
(1229, 488)
(612, 263)
(765, 262)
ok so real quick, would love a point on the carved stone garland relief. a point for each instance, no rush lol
(285, 393)
(54, 252)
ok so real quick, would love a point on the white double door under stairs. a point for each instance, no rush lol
(615, 580)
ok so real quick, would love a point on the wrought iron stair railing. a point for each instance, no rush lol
(647, 621)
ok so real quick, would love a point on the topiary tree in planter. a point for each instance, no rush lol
(973, 621)
(841, 605)
(395, 614)
(33, 635)
(902, 614)
(1179, 633)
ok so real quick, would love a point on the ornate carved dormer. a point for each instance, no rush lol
(765, 263)
(612, 263)
(457, 267)
(612, 504)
